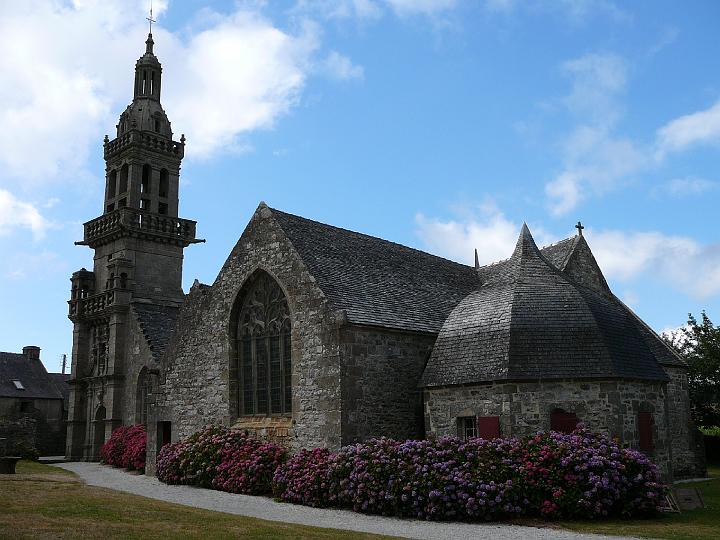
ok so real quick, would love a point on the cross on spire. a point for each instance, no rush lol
(150, 18)
(580, 228)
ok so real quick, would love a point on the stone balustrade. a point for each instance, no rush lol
(91, 305)
(146, 140)
(140, 222)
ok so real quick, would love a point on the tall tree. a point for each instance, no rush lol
(699, 345)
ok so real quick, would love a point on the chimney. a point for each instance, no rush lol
(31, 352)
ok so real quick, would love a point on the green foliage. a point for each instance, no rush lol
(699, 344)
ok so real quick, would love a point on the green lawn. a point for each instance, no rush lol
(693, 525)
(43, 501)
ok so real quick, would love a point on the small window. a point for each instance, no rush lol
(164, 183)
(466, 427)
(563, 421)
(110, 207)
(144, 204)
(123, 179)
(162, 208)
(112, 184)
(645, 422)
(488, 427)
(157, 125)
(18, 384)
(25, 406)
(145, 181)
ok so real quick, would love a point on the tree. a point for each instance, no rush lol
(699, 345)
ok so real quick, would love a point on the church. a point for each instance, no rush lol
(313, 335)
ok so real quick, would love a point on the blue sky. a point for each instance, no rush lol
(438, 124)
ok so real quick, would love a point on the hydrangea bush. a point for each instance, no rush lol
(553, 475)
(305, 479)
(126, 447)
(223, 459)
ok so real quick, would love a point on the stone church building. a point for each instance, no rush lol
(313, 335)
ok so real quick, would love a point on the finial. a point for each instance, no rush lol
(149, 42)
(106, 139)
(580, 228)
(150, 19)
(477, 261)
(182, 139)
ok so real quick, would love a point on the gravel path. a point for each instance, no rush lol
(264, 508)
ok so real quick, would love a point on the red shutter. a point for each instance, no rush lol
(564, 422)
(488, 427)
(645, 430)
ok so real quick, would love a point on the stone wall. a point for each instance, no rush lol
(197, 384)
(381, 372)
(688, 450)
(609, 407)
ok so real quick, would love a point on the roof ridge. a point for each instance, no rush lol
(369, 236)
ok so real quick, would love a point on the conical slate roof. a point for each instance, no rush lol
(532, 321)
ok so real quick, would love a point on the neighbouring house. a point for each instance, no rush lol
(33, 402)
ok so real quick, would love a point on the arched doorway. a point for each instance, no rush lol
(99, 430)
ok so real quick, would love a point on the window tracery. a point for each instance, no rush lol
(264, 349)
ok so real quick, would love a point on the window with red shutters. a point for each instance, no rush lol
(488, 427)
(645, 421)
(563, 421)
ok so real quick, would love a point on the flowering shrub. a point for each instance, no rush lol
(305, 479)
(126, 447)
(581, 475)
(247, 466)
(586, 475)
(446, 478)
(223, 459)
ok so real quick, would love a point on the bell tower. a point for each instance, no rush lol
(138, 242)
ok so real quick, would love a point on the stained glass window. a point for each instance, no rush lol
(263, 346)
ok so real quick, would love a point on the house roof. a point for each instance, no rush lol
(377, 282)
(157, 324)
(529, 320)
(61, 383)
(32, 375)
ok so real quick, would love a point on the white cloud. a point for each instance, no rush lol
(237, 76)
(340, 9)
(70, 70)
(701, 127)
(420, 7)
(23, 265)
(680, 187)
(485, 228)
(597, 79)
(680, 261)
(341, 67)
(595, 159)
(16, 214)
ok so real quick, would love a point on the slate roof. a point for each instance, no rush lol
(529, 321)
(31, 373)
(157, 323)
(61, 383)
(375, 281)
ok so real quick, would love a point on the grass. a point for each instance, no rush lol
(700, 524)
(43, 501)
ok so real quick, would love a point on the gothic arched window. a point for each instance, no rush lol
(144, 388)
(263, 349)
